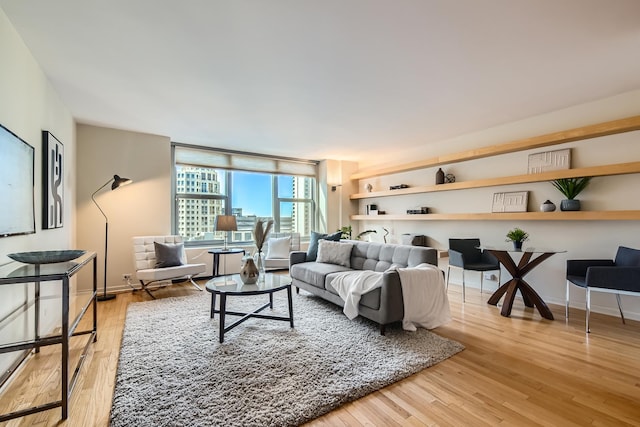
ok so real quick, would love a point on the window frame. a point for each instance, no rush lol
(228, 196)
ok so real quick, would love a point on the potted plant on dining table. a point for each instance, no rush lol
(517, 236)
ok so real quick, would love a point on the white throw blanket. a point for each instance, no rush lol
(351, 285)
(424, 294)
(425, 297)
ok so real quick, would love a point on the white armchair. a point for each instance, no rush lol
(171, 264)
(278, 246)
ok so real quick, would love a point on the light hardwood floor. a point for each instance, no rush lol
(517, 371)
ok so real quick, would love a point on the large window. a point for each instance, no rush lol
(258, 188)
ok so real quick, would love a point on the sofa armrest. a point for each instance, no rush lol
(296, 257)
(578, 267)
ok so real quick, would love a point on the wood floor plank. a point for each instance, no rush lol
(522, 370)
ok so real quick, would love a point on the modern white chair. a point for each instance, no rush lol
(149, 269)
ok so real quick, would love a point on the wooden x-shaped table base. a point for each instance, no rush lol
(529, 296)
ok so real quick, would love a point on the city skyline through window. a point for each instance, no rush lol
(202, 193)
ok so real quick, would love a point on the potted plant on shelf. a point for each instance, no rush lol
(570, 188)
(517, 236)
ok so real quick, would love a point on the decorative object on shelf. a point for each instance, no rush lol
(548, 206)
(449, 178)
(116, 182)
(550, 161)
(439, 176)
(372, 209)
(52, 181)
(517, 236)
(510, 202)
(249, 272)
(260, 235)
(386, 233)
(570, 188)
(398, 187)
(46, 257)
(422, 210)
(365, 233)
(369, 188)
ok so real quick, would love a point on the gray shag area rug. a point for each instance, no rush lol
(173, 371)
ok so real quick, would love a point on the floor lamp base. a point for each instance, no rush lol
(106, 297)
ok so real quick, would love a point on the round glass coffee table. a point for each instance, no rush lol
(270, 284)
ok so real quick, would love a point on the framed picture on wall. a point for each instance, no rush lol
(510, 202)
(52, 181)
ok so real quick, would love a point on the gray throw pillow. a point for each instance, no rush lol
(168, 255)
(338, 253)
(312, 251)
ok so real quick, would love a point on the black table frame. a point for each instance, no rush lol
(529, 295)
(255, 313)
(216, 258)
(53, 272)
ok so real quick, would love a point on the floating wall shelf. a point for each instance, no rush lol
(615, 169)
(630, 215)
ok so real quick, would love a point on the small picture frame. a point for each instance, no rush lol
(510, 202)
(52, 181)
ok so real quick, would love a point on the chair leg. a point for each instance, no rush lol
(588, 309)
(448, 274)
(481, 280)
(566, 301)
(194, 283)
(620, 308)
(464, 296)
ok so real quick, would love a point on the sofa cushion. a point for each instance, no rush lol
(334, 253)
(168, 255)
(371, 299)
(314, 273)
(278, 247)
(312, 250)
(379, 257)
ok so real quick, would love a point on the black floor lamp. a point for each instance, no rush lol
(117, 182)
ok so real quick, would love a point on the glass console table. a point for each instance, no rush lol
(19, 273)
(518, 271)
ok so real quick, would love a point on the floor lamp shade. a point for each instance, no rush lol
(225, 223)
(116, 182)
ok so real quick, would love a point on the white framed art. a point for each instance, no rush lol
(510, 202)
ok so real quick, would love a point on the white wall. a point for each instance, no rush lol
(142, 208)
(29, 105)
(581, 239)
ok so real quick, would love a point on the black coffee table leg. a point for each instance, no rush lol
(223, 310)
(290, 306)
(213, 304)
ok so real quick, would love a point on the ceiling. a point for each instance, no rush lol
(327, 78)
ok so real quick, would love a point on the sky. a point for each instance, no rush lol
(252, 192)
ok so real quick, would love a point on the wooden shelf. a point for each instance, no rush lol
(601, 129)
(606, 170)
(630, 215)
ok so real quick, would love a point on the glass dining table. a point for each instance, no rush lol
(527, 262)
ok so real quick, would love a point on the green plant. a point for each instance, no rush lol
(571, 187)
(346, 232)
(517, 235)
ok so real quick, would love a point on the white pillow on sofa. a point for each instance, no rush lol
(334, 252)
(278, 247)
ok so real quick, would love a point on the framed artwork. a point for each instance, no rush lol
(550, 161)
(52, 182)
(510, 202)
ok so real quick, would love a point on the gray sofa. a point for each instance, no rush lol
(383, 305)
